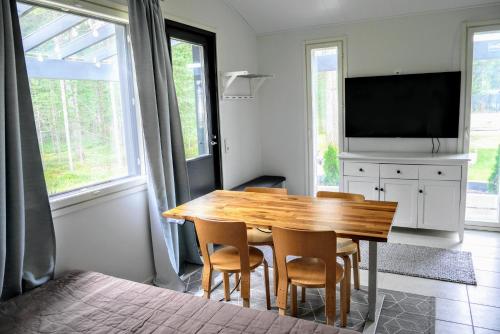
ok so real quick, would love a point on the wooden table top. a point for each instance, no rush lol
(369, 220)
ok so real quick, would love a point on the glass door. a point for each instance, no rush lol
(324, 87)
(193, 57)
(483, 105)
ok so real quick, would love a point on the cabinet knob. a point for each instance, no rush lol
(398, 171)
(421, 191)
(361, 170)
(381, 189)
(376, 188)
(440, 173)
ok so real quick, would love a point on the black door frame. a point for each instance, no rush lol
(208, 40)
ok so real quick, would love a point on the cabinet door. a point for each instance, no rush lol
(366, 186)
(439, 205)
(405, 192)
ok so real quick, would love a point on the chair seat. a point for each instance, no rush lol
(227, 259)
(310, 273)
(259, 238)
(346, 247)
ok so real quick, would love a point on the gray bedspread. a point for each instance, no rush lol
(88, 302)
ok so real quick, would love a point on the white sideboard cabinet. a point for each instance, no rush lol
(430, 188)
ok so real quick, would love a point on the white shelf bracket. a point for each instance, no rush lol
(255, 82)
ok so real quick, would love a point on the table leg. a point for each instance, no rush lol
(375, 300)
(372, 279)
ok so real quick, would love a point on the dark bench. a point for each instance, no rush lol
(265, 181)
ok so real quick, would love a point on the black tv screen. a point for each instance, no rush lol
(409, 106)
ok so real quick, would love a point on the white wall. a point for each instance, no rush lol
(236, 50)
(111, 235)
(410, 44)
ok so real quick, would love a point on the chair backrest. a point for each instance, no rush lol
(346, 196)
(227, 233)
(276, 191)
(310, 244)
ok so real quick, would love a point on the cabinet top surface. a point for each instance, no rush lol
(406, 157)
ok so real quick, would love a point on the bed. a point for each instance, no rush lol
(89, 302)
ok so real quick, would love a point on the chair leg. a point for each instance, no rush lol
(236, 281)
(206, 281)
(359, 250)
(266, 285)
(347, 278)
(245, 288)
(294, 300)
(330, 305)
(275, 272)
(355, 270)
(303, 295)
(343, 302)
(227, 293)
(282, 295)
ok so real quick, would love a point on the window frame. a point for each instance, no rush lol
(469, 29)
(65, 202)
(341, 44)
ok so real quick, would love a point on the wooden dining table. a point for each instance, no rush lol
(368, 220)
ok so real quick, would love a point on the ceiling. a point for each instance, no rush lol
(276, 15)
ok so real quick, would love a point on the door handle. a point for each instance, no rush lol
(213, 143)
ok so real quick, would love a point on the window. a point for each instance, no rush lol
(483, 105)
(324, 81)
(189, 77)
(80, 79)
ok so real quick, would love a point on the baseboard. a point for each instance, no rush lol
(149, 281)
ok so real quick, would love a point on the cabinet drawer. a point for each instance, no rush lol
(361, 169)
(390, 171)
(453, 173)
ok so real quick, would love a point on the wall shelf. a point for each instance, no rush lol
(255, 82)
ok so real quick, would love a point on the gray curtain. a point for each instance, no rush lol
(27, 243)
(173, 243)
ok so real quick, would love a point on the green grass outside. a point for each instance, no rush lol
(485, 163)
(99, 165)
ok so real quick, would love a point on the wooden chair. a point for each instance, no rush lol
(236, 257)
(263, 237)
(346, 247)
(317, 267)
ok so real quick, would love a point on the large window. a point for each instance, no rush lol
(325, 78)
(483, 104)
(80, 80)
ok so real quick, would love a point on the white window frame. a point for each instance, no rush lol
(76, 199)
(466, 65)
(341, 44)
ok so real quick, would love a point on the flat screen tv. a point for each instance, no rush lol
(407, 106)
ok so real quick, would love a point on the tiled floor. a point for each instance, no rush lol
(417, 305)
(475, 307)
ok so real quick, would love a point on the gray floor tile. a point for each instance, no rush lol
(485, 263)
(482, 250)
(484, 295)
(481, 238)
(479, 330)
(444, 327)
(485, 316)
(452, 310)
(425, 287)
(488, 278)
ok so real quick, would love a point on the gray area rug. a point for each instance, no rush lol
(401, 312)
(426, 262)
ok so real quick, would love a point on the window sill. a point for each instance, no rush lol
(64, 204)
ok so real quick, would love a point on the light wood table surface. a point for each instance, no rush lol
(368, 220)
